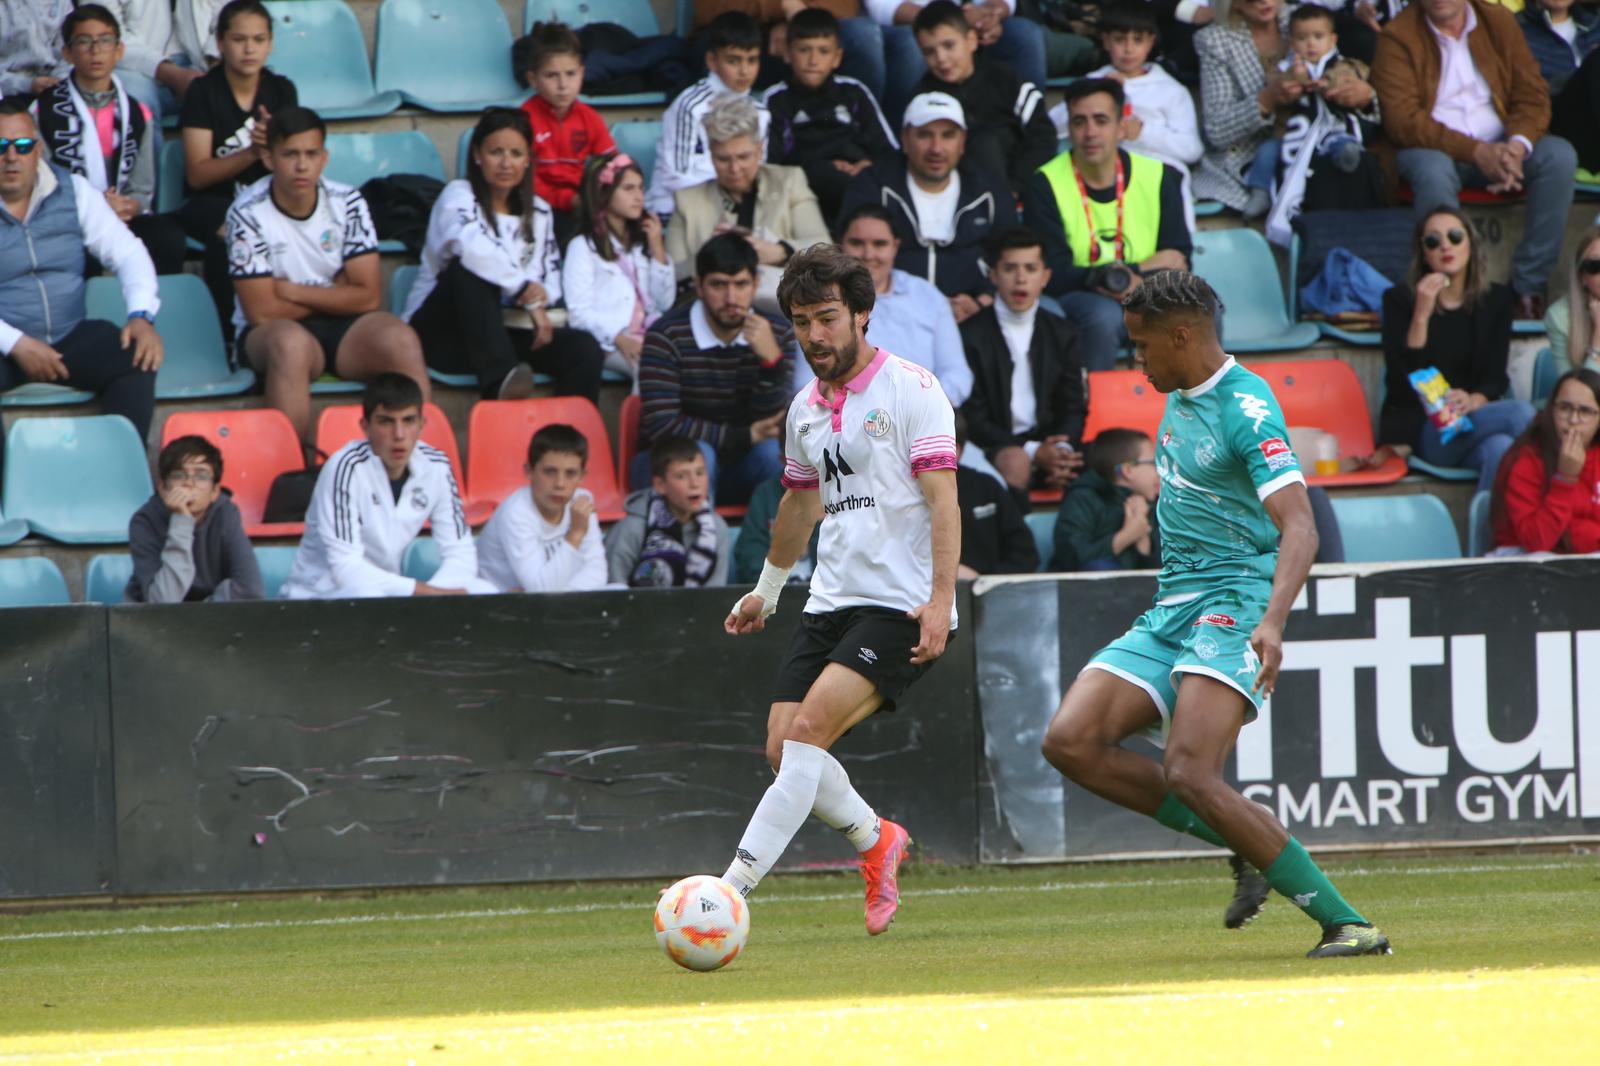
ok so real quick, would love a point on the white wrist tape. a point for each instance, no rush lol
(769, 587)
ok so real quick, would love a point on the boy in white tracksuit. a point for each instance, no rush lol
(372, 499)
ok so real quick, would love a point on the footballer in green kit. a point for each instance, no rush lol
(1237, 542)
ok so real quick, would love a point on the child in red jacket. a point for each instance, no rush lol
(1547, 494)
(565, 131)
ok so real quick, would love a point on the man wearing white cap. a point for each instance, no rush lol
(944, 207)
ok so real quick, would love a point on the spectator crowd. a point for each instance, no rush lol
(915, 134)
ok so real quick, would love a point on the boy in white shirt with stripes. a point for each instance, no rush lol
(371, 501)
(870, 451)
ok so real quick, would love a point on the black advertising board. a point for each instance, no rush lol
(1430, 704)
(294, 745)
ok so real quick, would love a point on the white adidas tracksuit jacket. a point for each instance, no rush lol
(356, 532)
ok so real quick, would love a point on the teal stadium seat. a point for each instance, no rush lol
(1382, 529)
(76, 480)
(318, 45)
(170, 192)
(639, 140)
(275, 560)
(196, 362)
(1042, 524)
(1443, 473)
(1239, 265)
(446, 55)
(43, 394)
(12, 530)
(1480, 536)
(357, 158)
(32, 581)
(1546, 372)
(632, 15)
(463, 149)
(106, 578)
(421, 560)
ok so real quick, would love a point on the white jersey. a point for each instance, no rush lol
(263, 242)
(863, 452)
(520, 550)
(357, 532)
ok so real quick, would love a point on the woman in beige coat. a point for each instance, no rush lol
(772, 206)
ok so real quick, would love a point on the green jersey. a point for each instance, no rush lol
(1222, 450)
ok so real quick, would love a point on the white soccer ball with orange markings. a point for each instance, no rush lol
(702, 923)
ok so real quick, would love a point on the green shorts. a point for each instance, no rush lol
(1209, 634)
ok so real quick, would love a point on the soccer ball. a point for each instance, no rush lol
(702, 923)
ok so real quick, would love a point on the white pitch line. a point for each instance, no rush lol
(628, 905)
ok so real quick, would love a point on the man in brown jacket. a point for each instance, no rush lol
(1465, 104)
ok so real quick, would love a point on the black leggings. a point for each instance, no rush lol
(463, 332)
(97, 362)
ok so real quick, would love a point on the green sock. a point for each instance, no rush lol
(1174, 815)
(1295, 875)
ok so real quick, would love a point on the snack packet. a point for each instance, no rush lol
(1431, 388)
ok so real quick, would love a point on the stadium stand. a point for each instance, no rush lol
(639, 140)
(1480, 537)
(275, 561)
(1368, 525)
(1122, 399)
(446, 57)
(12, 530)
(1325, 394)
(1042, 524)
(317, 44)
(75, 480)
(421, 559)
(106, 578)
(1238, 264)
(637, 18)
(196, 362)
(257, 445)
(627, 436)
(31, 581)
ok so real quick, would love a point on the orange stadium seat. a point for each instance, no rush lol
(1327, 395)
(257, 445)
(341, 424)
(627, 438)
(1122, 399)
(497, 449)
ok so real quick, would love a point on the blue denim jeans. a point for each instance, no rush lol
(1098, 322)
(1264, 168)
(1495, 426)
(1548, 175)
(862, 40)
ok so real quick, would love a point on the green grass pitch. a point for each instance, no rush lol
(1497, 959)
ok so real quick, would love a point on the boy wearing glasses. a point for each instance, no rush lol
(188, 542)
(92, 126)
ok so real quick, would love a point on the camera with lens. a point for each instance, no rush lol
(1112, 277)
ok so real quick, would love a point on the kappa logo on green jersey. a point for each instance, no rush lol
(1254, 408)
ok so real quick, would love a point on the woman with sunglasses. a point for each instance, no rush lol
(1547, 494)
(1451, 317)
(1570, 321)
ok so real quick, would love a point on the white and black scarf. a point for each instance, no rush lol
(68, 128)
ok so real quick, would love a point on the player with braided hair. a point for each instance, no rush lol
(1237, 541)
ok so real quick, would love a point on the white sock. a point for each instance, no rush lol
(841, 806)
(779, 815)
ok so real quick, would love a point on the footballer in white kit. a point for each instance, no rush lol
(870, 452)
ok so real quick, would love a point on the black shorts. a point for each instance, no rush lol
(875, 642)
(329, 330)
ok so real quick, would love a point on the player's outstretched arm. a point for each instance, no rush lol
(1290, 509)
(939, 488)
(798, 514)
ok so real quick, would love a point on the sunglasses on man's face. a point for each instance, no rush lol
(1433, 241)
(23, 145)
(1590, 267)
